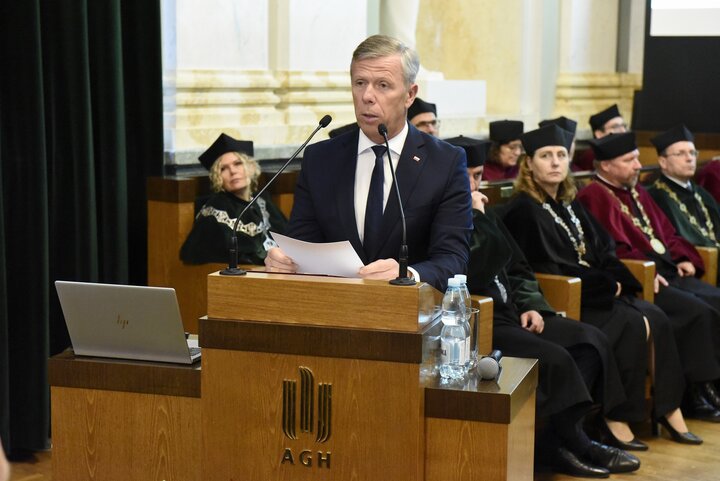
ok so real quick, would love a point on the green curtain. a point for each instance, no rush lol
(80, 130)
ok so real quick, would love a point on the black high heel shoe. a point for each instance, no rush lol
(678, 437)
(607, 437)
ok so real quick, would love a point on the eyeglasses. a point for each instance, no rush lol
(684, 153)
(428, 123)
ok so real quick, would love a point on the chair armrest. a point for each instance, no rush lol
(485, 323)
(709, 256)
(644, 272)
(562, 293)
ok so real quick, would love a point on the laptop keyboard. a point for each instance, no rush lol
(194, 351)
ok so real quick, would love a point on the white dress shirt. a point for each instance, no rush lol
(363, 176)
(684, 184)
(363, 173)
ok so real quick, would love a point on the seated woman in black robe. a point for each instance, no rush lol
(234, 176)
(576, 363)
(558, 236)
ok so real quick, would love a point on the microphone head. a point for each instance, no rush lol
(488, 368)
(382, 130)
(325, 121)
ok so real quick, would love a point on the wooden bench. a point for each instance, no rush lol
(709, 256)
(562, 293)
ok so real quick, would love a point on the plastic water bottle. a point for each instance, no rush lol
(465, 292)
(455, 334)
(468, 310)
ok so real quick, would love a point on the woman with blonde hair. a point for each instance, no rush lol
(234, 177)
(558, 236)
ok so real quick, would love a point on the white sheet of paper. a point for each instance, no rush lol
(329, 258)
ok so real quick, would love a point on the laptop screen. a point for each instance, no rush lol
(126, 322)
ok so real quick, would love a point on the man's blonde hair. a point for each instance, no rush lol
(378, 46)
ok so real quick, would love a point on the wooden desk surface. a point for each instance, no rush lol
(486, 401)
(68, 370)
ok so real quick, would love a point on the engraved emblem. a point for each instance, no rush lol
(309, 408)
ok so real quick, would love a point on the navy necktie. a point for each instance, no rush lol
(374, 208)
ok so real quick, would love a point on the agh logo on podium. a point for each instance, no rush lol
(309, 411)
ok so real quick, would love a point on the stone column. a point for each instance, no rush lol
(502, 45)
(588, 80)
(311, 47)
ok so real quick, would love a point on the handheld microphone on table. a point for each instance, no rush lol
(232, 269)
(488, 367)
(402, 279)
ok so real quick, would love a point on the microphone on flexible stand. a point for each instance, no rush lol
(232, 269)
(402, 279)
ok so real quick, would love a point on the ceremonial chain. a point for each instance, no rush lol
(501, 288)
(578, 244)
(250, 229)
(708, 233)
(655, 243)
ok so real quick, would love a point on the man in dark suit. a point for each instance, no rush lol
(337, 196)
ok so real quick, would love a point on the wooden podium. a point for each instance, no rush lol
(309, 377)
(302, 378)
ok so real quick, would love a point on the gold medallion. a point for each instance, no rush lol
(657, 245)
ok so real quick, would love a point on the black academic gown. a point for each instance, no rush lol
(549, 249)
(692, 306)
(209, 239)
(685, 199)
(561, 384)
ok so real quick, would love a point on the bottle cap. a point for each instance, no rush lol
(453, 282)
(462, 278)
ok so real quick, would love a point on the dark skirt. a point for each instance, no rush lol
(625, 328)
(561, 384)
(689, 304)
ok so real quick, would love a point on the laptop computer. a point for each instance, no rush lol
(125, 322)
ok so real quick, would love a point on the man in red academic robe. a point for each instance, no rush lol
(709, 178)
(642, 231)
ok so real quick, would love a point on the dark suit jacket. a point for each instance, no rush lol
(435, 193)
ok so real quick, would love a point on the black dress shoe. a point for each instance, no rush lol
(677, 436)
(696, 406)
(607, 437)
(613, 459)
(566, 462)
(710, 393)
